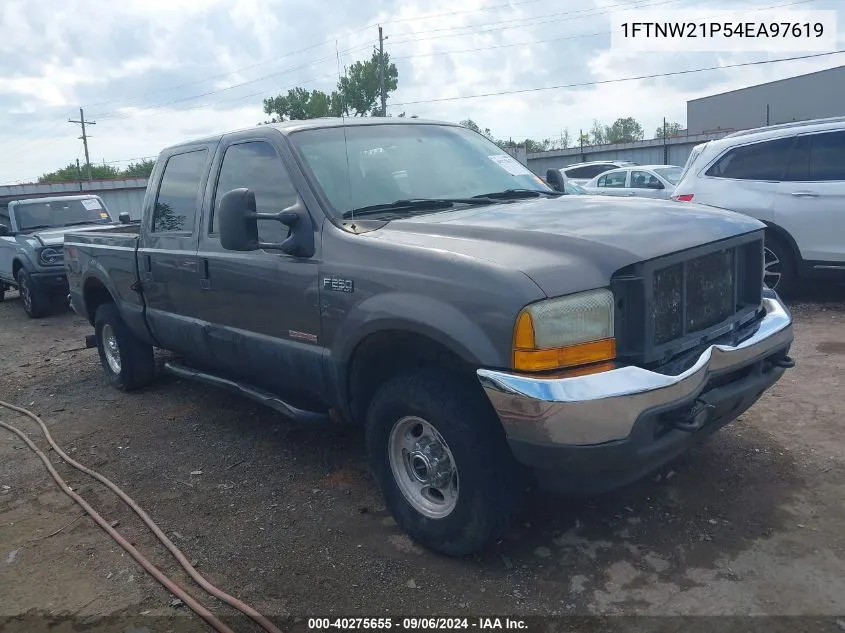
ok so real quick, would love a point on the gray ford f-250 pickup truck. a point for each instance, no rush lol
(415, 279)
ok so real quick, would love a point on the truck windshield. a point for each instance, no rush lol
(60, 213)
(364, 165)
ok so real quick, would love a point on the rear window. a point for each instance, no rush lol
(588, 171)
(766, 160)
(670, 174)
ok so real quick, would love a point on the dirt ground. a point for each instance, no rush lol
(288, 518)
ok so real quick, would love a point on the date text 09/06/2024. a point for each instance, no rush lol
(415, 624)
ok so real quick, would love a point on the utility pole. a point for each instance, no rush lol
(84, 138)
(79, 174)
(665, 146)
(381, 86)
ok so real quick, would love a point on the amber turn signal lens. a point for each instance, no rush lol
(569, 356)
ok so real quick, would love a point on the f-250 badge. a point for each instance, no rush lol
(337, 284)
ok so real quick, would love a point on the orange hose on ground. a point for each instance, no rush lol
(260, 619)
(156, 573)
(160, 535)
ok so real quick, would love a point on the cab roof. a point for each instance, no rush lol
(288, 127)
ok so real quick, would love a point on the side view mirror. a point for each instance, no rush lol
(124, 218)
(4, 230)
(237, 219)
(655, 185)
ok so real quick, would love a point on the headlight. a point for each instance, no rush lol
(50, 256)
(565, 332)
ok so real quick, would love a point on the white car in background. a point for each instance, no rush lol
(581, 173)
(792, 178)
(645, 181)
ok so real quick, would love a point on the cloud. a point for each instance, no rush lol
(154, 72)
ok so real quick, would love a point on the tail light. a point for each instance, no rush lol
(684, 197)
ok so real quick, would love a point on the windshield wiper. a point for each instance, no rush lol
(84, 222)
(413, 204)
(513, 194)
(37, 226)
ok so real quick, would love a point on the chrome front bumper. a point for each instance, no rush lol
(603, 407)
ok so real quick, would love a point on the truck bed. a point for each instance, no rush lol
(113, 252)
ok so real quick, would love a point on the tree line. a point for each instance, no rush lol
(141, 169)
(358, 93)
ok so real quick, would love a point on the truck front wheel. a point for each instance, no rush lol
(442, 461)
(128, 361)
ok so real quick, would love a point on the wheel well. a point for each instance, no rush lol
(94, 295)
(382, 355)
(16, 266)
(773, 230)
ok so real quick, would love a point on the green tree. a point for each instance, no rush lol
(300, 104)
(672, 129)
(359, 86)
(70, 173)
(583, 139)
(626, 130)
(139, 170)
(598, 133)
(357, 94)
(472, 125)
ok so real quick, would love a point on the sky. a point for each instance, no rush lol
(151, 73)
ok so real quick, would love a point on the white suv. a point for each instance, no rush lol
(792, 178)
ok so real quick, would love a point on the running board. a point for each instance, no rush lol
(263, 397)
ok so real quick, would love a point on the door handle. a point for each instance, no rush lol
(805, 194)
(205, 282)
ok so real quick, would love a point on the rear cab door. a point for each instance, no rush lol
(810, 203)
(167, 251)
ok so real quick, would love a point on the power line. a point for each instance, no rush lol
(571, 37)
(545, 17)
(117, 114)
(303, 50)
(618, 80)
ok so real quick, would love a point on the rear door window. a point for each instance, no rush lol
(613, 180)
(766, 160)
(827, 156)
(175, 208)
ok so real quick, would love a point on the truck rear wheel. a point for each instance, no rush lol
(442, 461)
(36, 304)
(128, 361)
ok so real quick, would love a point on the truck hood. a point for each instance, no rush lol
(570, 243)
(56, 236)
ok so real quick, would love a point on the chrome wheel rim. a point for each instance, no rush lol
(423, 467)
(772, 268)
(110, 348)
(26, 296)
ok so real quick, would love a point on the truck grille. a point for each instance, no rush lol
(693, 295)
(672, 304)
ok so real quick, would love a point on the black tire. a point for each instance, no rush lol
(779, 268)
(35, 303)
(136, 367)
(2, 292)
(491, 483)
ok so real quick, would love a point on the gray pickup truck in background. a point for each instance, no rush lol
(485, 331)
(31, 236)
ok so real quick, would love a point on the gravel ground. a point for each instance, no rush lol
(287, 517)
